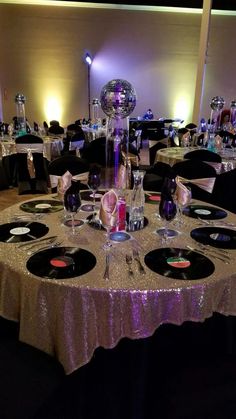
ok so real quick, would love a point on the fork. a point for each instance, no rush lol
(129, 259)
(37, 242)
(106, 273)
(137, 258)
(49, 246)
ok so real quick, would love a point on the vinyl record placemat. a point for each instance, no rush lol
(88, 195)
(205, 212)
(215, 236)
(179, 263)
(152, 198)
(42, 206)
(61, 262)
(22, 231)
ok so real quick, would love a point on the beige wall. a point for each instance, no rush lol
(42, 50)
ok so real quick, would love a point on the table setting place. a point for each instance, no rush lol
(175, 238)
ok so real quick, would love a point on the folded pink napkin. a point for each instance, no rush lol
(206, 183)
(108, 209)
(64, 183)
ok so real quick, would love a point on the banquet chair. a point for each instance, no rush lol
(55, 128)
(204, 155)
(76, 142)
(153, 150)
(154, 177)
(58, 167)
(95, 152)
(29, 378)
(31, 166)
(196, 169)
(224, 191)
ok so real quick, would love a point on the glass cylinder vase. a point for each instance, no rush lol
(137, 202)
(117, 145)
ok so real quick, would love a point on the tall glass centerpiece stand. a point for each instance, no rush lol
(233, 113)
(20, 114)
(217, 104)
(118, 100)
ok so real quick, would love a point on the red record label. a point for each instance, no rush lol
(178, 262)
(61, 262)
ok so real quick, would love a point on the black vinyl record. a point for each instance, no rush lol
(153, 198)
(215, 236)
(88, 195)
(22, 231)
(179, 263)
(61, 262)
(42, 206)
(206, 212)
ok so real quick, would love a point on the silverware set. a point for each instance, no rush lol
(37, 242)
(107, 268)
(214, 253)
(134, 257)
(129, 261)
(49, 246)
(217, 223)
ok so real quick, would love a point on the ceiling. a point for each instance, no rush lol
(216, 4)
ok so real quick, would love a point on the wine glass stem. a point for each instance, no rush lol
(94, 211)
(73, 223)
(108, 241)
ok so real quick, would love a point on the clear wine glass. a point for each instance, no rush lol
(108, 215)
(72, 203)
(167, 211)
(109, 224)
(182, 200)
(94, 181)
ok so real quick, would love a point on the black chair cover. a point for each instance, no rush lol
(204, 155)
(26, 184)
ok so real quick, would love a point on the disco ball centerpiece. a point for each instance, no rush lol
(118, 99)
(217, 103)
(233, 104)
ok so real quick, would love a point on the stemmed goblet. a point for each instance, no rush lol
(108, 214)
(72, 201)
(183, 198)
(167, 211)
(94, 180)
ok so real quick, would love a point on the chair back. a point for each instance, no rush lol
(58, 167)
(31, 167)
(195, 169)
(224, 191)
(29, 139)
(203, 155)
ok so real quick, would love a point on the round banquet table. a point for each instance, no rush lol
(174, 155)
(72, 317)
(53, 146)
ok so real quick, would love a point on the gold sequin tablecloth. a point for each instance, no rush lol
(174, 155)
(70, 318)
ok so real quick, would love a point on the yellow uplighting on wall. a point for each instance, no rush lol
(53, 108)
(182, 108)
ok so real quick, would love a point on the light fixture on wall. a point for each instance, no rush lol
(88, 60)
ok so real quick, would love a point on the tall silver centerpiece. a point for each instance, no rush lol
(20, 113)
(233, 112)
(217, 104)
(118, 100)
